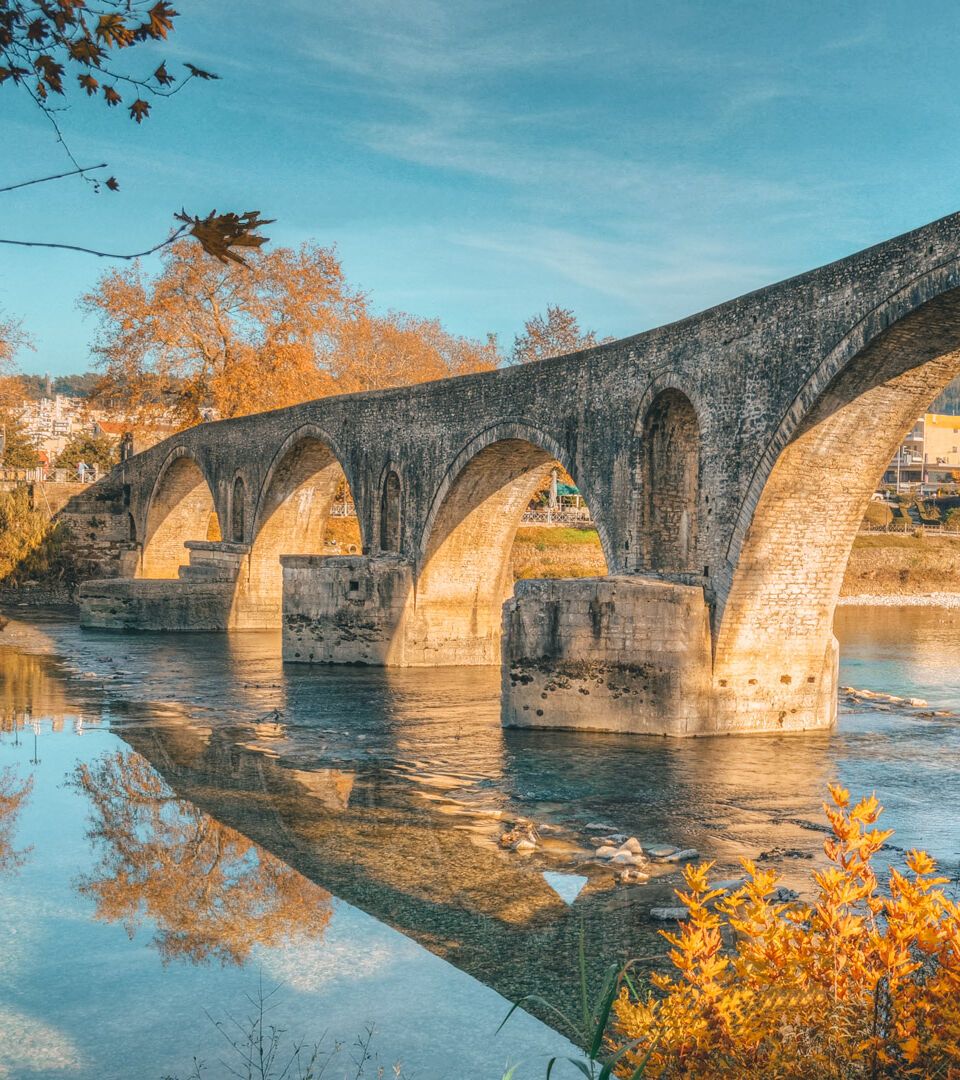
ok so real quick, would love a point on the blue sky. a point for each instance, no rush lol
(635, 160)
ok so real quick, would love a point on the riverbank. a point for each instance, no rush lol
(894, 569)
(886, 569)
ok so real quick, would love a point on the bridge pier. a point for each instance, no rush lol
(368, 610)
(344, 609)
(200, 597)
(631, 654)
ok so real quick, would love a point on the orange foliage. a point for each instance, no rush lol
(206, 336)
(854, 984)
(376, 352)
(211, 893)
(13, 794)
(12, 339)
(202, 334)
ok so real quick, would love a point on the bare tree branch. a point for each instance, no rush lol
(56, 176)
(101, 254)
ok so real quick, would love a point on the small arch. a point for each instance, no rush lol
(181, 508)
(131, 528)
(669, 484)
(238, 510)
(391, 512)
(292, 518)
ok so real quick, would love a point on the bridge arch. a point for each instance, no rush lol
(807, 496)
(390, 520)
(181, 507)
(668, 481)
(463, 571)
(238, 510)
(291, 515)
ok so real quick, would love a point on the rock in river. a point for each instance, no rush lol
(660, 851)
(682, 856)
(669, 914)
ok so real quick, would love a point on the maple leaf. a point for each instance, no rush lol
(114, 31)
(163, 77)
(139, 110)
(36, 31)
(86, 51)
(218, 233)
(112, 184)
(89, 83)
(113, 98)
(51, 72)
(160, 17)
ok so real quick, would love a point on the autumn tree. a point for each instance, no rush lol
(211, 893)
(287, 328)
(91, 450)
(18, 452)
(376, 352)
(202, 335)
(556, 335)
(12, 340)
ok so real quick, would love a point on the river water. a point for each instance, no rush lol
(205, 828)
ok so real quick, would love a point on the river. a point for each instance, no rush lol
(205, 827)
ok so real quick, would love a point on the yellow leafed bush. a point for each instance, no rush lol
(858, 983)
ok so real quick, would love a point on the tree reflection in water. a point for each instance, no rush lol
(13, 794)
(211, 893)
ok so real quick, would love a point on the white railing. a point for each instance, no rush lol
(567, 516)
(909, 527)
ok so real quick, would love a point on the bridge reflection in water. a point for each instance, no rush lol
(390, 789)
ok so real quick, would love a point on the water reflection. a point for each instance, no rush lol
(13, 794)
(391, 789)
(210, 893)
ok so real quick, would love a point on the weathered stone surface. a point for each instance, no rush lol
(343, 609)
(732, 453)
(155, 605)
(610, 654)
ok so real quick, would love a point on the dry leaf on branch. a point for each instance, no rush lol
(218, 233)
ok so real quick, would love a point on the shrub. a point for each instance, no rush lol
(878, 514)
(32, 546)
(854, 984)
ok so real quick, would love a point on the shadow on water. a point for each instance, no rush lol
(391, 790)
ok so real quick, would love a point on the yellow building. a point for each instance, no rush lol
(941, 439)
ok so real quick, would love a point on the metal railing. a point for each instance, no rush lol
(567, 516)
(910, 527)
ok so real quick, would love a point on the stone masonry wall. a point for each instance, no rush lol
(607, 654)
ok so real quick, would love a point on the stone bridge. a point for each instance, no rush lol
(727, 460)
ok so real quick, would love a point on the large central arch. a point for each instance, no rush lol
(773, 635)
(463, 577)
(291, 517)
